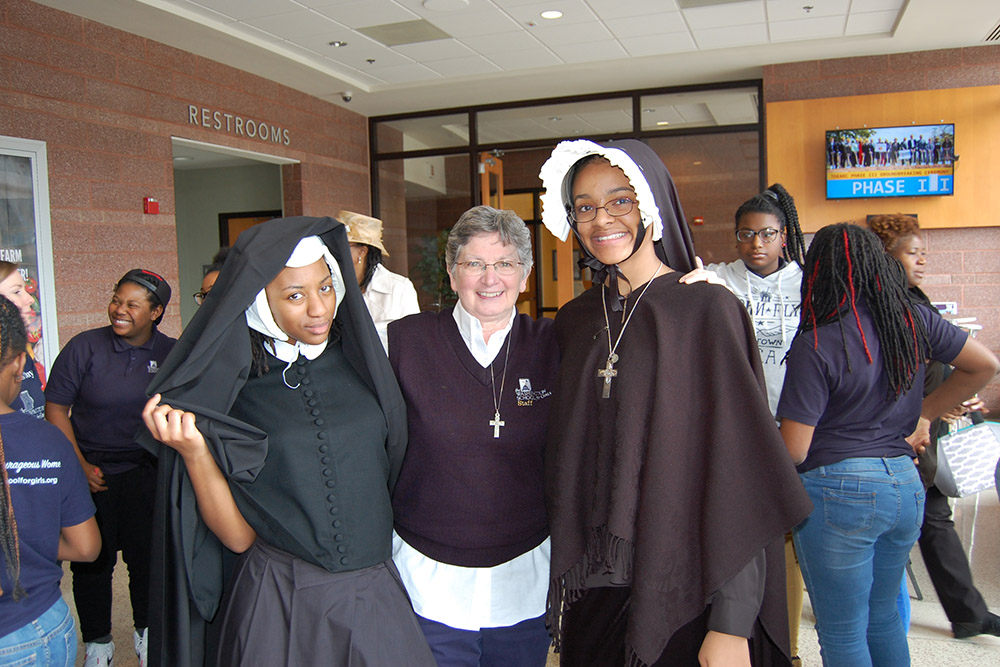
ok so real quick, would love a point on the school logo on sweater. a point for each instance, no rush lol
(526, 396)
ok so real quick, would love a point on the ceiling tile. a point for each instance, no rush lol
(469, 66)
(472, 24)
(812, 28)
(407, 73)
(439, 49)
(587, 52)
(364, 13)
(503, 42)
(723, 38)
(871, 23)
(295, 25)
(574, 11)
(578, 34)
(654, 45)
(201, 10)
(248, 9)
(650, 24)
(790, 10)
(609, 9)
(524, 59)
(859, 6)
(720, 16)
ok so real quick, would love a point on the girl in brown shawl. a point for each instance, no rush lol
(668, 488)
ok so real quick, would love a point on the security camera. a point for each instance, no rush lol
(347, 96)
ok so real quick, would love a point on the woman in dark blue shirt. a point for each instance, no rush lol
(102, 375)
(850, 402)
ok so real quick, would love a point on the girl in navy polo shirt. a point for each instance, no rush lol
(46, 515)
(102, 375)
(849, 404)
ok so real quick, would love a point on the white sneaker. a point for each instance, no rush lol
(139, 640)
(100, 655)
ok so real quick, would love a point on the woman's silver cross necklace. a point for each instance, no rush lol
(496, 422)
(609, 372)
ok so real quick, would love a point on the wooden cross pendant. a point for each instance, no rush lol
(608, 373)
(496, 424)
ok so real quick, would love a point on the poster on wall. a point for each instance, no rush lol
(25, 255)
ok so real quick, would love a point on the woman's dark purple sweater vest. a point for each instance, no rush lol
(464, 497)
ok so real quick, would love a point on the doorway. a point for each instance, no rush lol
(211, 181)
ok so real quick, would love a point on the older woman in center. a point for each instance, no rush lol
(471, 537)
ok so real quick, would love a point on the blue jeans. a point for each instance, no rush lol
(47, 641)
(853, 550)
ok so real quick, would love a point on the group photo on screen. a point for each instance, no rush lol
(910, 160)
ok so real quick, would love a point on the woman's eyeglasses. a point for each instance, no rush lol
(615, 208)
(199, 297)
(502, 268)
(766, 235)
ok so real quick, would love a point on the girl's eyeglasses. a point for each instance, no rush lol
(767, 235)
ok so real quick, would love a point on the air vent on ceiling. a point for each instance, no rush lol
(994, 35)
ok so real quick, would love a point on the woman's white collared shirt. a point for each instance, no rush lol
(389, 296)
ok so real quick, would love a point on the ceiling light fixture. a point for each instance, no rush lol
(663, 122)
(807, 8)
(337, 43)
(555, 119)
(648, 110)
(551, 14)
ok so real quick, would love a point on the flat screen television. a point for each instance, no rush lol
(906, 161)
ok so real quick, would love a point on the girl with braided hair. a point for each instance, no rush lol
(767, 278)
(849, 411)
(940, 545)
(46, 515)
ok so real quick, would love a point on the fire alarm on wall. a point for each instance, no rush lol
(150, 206)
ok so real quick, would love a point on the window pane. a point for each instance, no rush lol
(418, 199)
(707, 108)
(414, 134)
(714, 174)
(555, 120)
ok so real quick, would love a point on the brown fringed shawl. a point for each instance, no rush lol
(674, 483)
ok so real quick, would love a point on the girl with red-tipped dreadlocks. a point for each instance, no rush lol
(46, 515)
(850, 402)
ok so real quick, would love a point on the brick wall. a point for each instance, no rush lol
(963, 263)
(106, 103)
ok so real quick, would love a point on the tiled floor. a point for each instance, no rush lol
(977, 520)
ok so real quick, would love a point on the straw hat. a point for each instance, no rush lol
(363, 229)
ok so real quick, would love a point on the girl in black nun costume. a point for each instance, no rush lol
(668, 489)
(285, 431)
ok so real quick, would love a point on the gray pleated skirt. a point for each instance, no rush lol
(284, 611)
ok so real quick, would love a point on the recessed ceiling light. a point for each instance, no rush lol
(648, 110)
(182, 158)
(697, 163)
(663, 122)
(555, 119)
(337, 43)
(551, 14)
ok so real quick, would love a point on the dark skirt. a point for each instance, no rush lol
(285, 611)
(594, 629)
